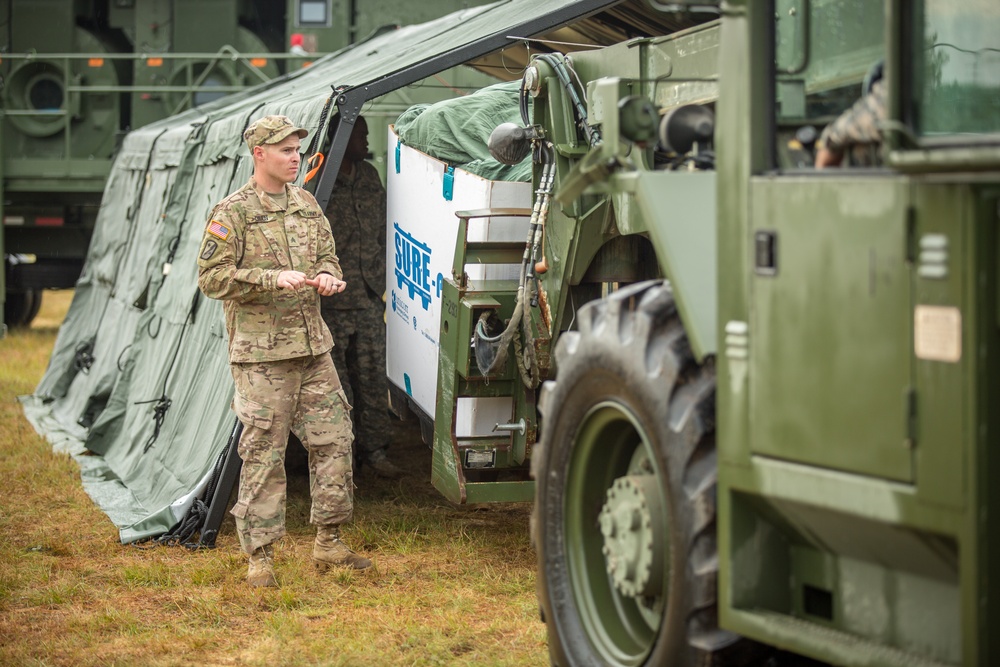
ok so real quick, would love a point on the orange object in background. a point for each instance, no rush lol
(314, 168)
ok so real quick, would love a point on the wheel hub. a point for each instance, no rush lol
(631, 523)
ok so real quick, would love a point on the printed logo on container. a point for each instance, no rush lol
(400, 308)
(412, 260)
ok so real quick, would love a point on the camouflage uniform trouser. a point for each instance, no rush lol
(359, 355)
(301, 395)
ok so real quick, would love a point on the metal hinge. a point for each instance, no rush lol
(911, 234)
(910, 411)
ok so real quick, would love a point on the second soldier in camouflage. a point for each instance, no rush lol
(357, 213)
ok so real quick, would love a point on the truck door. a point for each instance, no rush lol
(830, 320)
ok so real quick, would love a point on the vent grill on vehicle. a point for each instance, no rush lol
(933, 257)
(737, 340)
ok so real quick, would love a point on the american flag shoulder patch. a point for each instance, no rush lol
(216, 228)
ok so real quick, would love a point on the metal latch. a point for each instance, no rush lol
(448, 186)
(765, 252)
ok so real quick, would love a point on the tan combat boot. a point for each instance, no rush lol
(260, 574)
(330, 551)
(383, 467)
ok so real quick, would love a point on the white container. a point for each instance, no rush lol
(421, 233)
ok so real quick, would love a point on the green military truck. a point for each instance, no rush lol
(769, 437)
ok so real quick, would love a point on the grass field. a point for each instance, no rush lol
(451, 585)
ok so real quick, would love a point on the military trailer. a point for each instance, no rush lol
(766, 392)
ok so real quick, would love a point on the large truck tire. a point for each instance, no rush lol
(21, 306)
(625, 473)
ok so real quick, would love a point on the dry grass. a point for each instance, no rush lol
(451, 586)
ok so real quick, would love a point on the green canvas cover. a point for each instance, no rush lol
(139, 374)
(456, 131)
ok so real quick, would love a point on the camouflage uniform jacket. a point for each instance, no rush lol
(248, 241)
(357, 214)
(857, 132)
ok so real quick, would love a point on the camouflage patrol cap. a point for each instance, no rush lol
(271, 130)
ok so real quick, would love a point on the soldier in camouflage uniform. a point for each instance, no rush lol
(357, 214)
(269, 255)
(856, 133)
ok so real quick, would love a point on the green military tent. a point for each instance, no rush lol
(138, 387)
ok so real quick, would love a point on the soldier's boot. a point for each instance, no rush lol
(329, 551)
(260, 573)
(383, 467)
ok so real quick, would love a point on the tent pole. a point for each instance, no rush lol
(223, 490)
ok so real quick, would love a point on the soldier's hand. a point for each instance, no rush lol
(826, 157)
(291, 279)
(327, 285)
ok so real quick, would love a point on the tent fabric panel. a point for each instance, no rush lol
(169, 146)
(163, 519)
(36, 409)
(135, 151)
(194, 428)
(191, 446)
(113, 229)
(147, 526)
(99, 482)
(152, 356)
(106, 490)
(209, 184)
(80, 324)
(224, 139)
(141, 263)
(106, 429)
(90, 389)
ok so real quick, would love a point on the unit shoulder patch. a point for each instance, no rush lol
(216, 228)
(209, 249)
